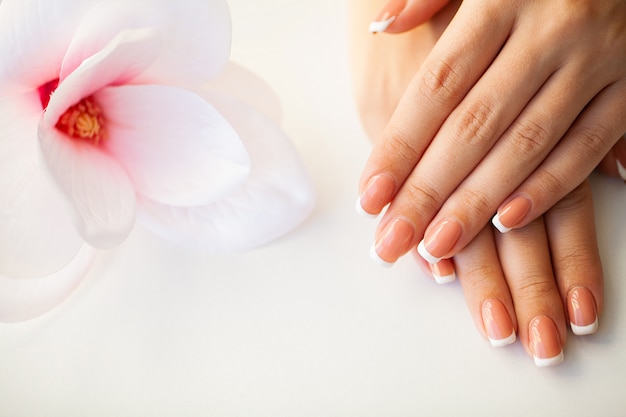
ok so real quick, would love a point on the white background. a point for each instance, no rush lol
(308, 326)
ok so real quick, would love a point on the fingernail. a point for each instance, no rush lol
(621, 169)
(619, 150)
(582, 312)
(498, 324)
(511, 214)
(387, 15)
(438, 242)
(545, 342)
(378, 192)
(443, 271)
(393, 242)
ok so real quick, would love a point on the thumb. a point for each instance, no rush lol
(401, 15)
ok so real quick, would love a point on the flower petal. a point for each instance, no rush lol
(196, 36)
(175, 146)
(276, 198)
(97, 187)
(25, 299)
(38, 236)
(242, 84)
(126, 56)
(34, 37)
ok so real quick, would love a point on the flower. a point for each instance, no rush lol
(112, 111)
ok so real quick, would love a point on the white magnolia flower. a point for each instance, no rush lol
(117, 110)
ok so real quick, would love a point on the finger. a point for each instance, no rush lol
(614, 163)
(545, 118)
(443, 272)
(575, 258)
(401, 15)
(525, 258)
(486, 291)
(593, 134)
(454, 65)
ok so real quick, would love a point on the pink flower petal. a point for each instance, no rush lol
(101, 195)
(175, 146)
(196, 36)
(25, 299)
(37, 234)
(34, 37)
(276, 198)
(126, 56)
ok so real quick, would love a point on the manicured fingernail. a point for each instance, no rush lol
(619, 150)
(377, 194)
(545, 342)
(621, 169)
(439, 240)
(582, 311)
(393, 242)
(443, 271)
(511, 214)
(498, 324)
(387, 15)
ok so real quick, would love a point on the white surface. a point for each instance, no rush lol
(308, 326)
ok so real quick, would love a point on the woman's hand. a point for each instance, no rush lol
(513, 108)
(535, 280)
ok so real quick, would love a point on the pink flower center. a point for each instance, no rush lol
(83, 121)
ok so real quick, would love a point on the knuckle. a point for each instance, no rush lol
(577, 258)
(474, 125)
(479, 276)
(475, 202)
(440, 82)
(551, 183)
(425, 199)
(401, 147)
(534, 288)
(529, 138)
(594, 140)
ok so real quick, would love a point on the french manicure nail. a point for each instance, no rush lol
(387, 15)
(377, 194)
(545, 342)
(582, 312)
(621, 170)
(440, 240)
(619, 150)
(511, 214)
(393, 242)
(498, 324)
(443, 271)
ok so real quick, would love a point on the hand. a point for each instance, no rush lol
(513, 108)
(535, 279)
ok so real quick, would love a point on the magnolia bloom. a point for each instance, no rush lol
(115, 111)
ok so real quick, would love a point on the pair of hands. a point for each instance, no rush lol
(512, 109)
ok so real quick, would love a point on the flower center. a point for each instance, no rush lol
(84, 120)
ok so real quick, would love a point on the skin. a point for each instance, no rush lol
(531, 270)
(493, 114)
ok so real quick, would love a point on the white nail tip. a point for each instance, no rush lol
(382, 25)
(496, 222)
(498, 343)
(359, 209)
(545, 362)
(378, 259)
(446, 279)
(421, 249)
(585, 330)
(621, 169)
